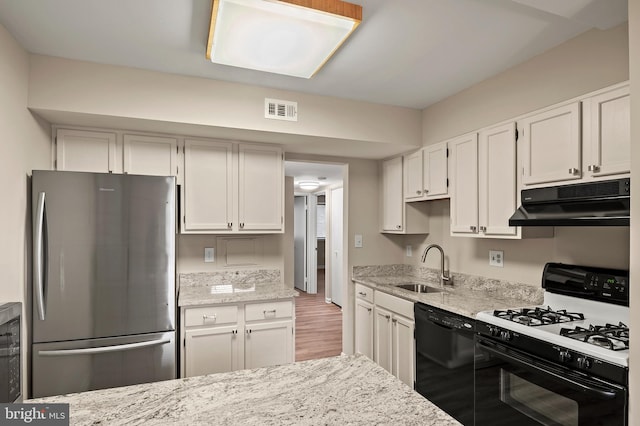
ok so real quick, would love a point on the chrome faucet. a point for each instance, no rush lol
(444, 275)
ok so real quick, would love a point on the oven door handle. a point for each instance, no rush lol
(565, 377)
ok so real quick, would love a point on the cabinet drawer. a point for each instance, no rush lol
(365, 293)
(210, 315)
(268, 310)
(395, 304)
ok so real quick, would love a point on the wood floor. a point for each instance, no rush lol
(318, 325)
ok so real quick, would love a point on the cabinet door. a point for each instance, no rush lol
(436, 171)
(261, 187)
(268, 344)
(551, 145)
(364, 328)
(497, 187)
(392, 200)
(150, 155)
(403, 350)
(208, 186)
(609, 141)
(413, 179)
(383, 352)
(211, 350)
(86, 151)
(464, 177)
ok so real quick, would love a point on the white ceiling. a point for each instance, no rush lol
(308, 171)
(409, 53)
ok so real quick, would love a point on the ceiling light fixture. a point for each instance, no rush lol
(308, 185)
(291, 37)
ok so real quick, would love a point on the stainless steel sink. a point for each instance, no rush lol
(420, 288)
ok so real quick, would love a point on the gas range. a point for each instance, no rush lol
(582, 321)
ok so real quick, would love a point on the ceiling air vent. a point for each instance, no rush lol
(280, 110)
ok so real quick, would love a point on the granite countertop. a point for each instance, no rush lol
(467, 296)
(340, 390)
(231, 286)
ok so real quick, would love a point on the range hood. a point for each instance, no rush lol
(603, 203)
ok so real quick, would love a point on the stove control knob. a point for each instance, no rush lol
(565, 356)
(494, 331)
(584, 363)
(505, 335)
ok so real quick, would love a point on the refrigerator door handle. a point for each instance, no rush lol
(38, 256)
(104, 349)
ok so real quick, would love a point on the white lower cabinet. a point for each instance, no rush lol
(364, 321)
(212, 350)
(386, 328)
(228, 337)
(268, 344)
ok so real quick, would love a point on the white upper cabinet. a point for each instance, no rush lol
(398, 217)
(425, 173)
(208, 186)
(150, 155)
(86, 151)
(413, 177)
(261, 188)
(607, 133)
(498, 192)
(464, 177)
(392, 201)
(231, 187)
(551, 145)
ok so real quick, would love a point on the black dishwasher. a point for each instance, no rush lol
(444, 360)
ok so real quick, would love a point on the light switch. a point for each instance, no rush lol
(409, 250)
(209, 255)
(358, 241)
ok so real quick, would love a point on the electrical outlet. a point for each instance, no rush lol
(358, 241)
(209, 254)
(496, 258)
(409, 251)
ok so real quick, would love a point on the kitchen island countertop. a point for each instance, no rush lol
(345, 390)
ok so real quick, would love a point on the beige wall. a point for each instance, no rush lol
(583, 64)
(69, 87)
(634, 59)
(586, 63)
(25, 145)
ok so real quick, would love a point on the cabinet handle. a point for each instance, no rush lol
(483, 229)
(394, 321)
(208, 317)
(573, 171)
(368, 309)
(229, 225)
(249, 331)
(418, 192)
(593, 168)
(398, 226)
(362, 293)
(473, 228)
(426, 191)
(270, 311)
(388, 317)
(241, 225)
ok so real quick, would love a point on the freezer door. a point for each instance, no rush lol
(104, 255)
(65, 367)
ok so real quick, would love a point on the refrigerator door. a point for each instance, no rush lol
(66, 367)
(104, 255)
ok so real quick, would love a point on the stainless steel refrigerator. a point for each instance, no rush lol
(103, 294)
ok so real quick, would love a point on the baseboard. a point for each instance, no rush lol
(327, 299)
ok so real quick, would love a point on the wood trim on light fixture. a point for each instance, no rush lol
(333, 7)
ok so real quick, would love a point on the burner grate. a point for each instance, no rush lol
(538, 316)
(614, 337)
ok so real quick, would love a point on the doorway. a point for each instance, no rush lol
(318, 257)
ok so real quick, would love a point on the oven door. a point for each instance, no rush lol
(512, 388)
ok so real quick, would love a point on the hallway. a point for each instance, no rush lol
(318, 325)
